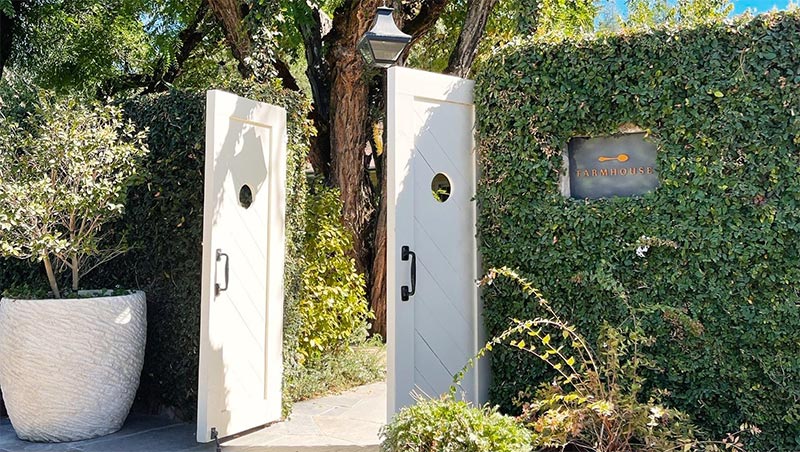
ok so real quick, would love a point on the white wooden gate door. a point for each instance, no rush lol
(243, 258)
(434, 323)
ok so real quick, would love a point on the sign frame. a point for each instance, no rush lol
(606, 166)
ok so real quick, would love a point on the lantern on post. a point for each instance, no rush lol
(382, 45)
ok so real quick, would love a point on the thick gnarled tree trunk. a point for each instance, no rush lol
(349, 102)
(341, 93)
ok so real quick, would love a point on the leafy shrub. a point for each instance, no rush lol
(338, 371)
(594, 399)
(62, 181)
(720, 102)
(449, 425)
(333, 306)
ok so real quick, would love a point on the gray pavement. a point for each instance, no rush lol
(348, 422)
(139, 434)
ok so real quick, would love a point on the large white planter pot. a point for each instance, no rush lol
(70, 368)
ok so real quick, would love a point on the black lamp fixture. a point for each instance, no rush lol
(382, 45)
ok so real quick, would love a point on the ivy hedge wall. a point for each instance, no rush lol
(722, 104)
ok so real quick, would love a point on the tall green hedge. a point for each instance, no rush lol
(722, 104)
(163, 224)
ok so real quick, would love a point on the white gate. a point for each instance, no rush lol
(243, 252)
(434, 322)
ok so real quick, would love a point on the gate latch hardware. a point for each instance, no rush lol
(217, 288)
(405, 253)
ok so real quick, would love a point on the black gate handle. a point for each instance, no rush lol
(217, 288)
(404, 292)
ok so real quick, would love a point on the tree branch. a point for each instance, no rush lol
(190, 37)
(428, 15)
(230, 15)
(471, 33)
(314, 31)
(289, 82)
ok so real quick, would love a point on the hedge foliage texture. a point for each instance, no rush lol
(722, 104)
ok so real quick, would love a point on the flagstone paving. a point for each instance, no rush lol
(348, 422)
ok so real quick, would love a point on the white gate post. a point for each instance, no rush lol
(241, 306)
(430, 145)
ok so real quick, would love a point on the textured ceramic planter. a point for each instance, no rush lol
(70, 368)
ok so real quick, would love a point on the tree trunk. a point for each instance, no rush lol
(377, 294)
(51, 277)
(348, 139)
(76, 276)
(348, 127)
(471, 34)
(314, 30)
(229, 14)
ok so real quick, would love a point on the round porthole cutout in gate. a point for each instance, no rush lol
(245, 196)
(441, 187)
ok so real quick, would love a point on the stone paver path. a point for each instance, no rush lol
(341, 423)
(140, 434)
(348, 422)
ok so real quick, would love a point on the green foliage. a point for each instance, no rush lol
(509, 20)
(566, 17)
(163, 222)
(594, 399)
(92, 46)
(61, 182)
(62, 46)
(333, 306)
(649, 13)
(720, 101)
(337, 371)
(512, 20)
(449, 425)
(7, 8)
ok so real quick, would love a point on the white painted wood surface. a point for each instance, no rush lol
(431, 336)
(241, 327)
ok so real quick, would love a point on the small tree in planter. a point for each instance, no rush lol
(69, 369)
(60, 183)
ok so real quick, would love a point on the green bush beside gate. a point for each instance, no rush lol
(722, 103)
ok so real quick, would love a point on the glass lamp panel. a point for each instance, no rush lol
(386, 51)
(365, 49)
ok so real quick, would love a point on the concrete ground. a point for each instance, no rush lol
(348, 422)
